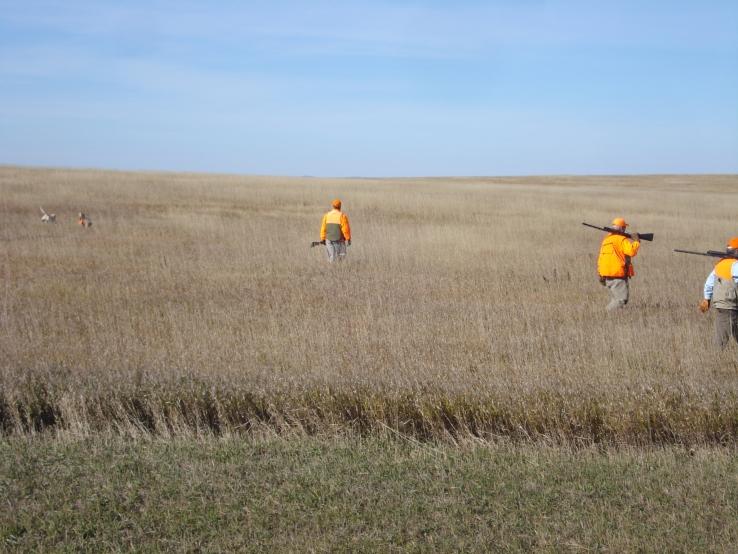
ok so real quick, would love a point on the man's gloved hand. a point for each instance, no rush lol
(634, 236)
(348, 242)
(602, 281)
(704, 305)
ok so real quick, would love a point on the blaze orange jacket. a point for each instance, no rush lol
(335, 226)
(615, 252)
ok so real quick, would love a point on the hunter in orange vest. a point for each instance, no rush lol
(335, 232)
(721, 291)
(614, 263)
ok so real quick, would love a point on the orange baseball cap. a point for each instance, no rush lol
(733, 242)
(336, 204)
(619, 222)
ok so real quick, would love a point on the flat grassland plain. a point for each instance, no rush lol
(465, 338)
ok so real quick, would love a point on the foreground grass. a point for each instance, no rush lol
(349, 494)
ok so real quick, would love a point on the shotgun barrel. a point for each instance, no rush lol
(641, 236)
(710, 253)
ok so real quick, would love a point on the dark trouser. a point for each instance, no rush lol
(726, 324)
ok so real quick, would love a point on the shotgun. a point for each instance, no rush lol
(728, 253)
(316, 243)
(641, 236)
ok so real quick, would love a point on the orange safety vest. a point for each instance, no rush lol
(335, 226)
(725, 291)
(615, 254)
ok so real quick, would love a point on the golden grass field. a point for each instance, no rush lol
(468, 307)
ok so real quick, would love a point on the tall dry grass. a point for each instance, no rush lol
(466, 307)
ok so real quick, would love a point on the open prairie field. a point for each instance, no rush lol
(467, 308)
(188, 374)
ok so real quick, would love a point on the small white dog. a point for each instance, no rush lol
(47, 218)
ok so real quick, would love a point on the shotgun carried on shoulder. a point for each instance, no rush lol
(641, 236)
(316, 243)
(727, 253)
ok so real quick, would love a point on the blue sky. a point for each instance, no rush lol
(372, 88)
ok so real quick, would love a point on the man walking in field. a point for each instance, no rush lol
(335, 232)
(614, 263)
(721, 290)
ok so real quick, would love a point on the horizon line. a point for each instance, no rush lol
(350, 177)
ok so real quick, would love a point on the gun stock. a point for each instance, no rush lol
(641, 236)
(316, 243)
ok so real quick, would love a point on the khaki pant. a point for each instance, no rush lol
(336, 250)
(619, 293)
(726, 324)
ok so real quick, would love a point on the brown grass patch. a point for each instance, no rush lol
(467, 306)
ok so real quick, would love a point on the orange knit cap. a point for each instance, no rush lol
(619, 222)
(336, 204)
(733, 242)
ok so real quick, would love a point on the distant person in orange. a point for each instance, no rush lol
(614, 263)
(84, 221)
(721, 290)
(335, 232)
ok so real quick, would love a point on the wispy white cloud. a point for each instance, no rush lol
(47, 60)
(455, 29)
